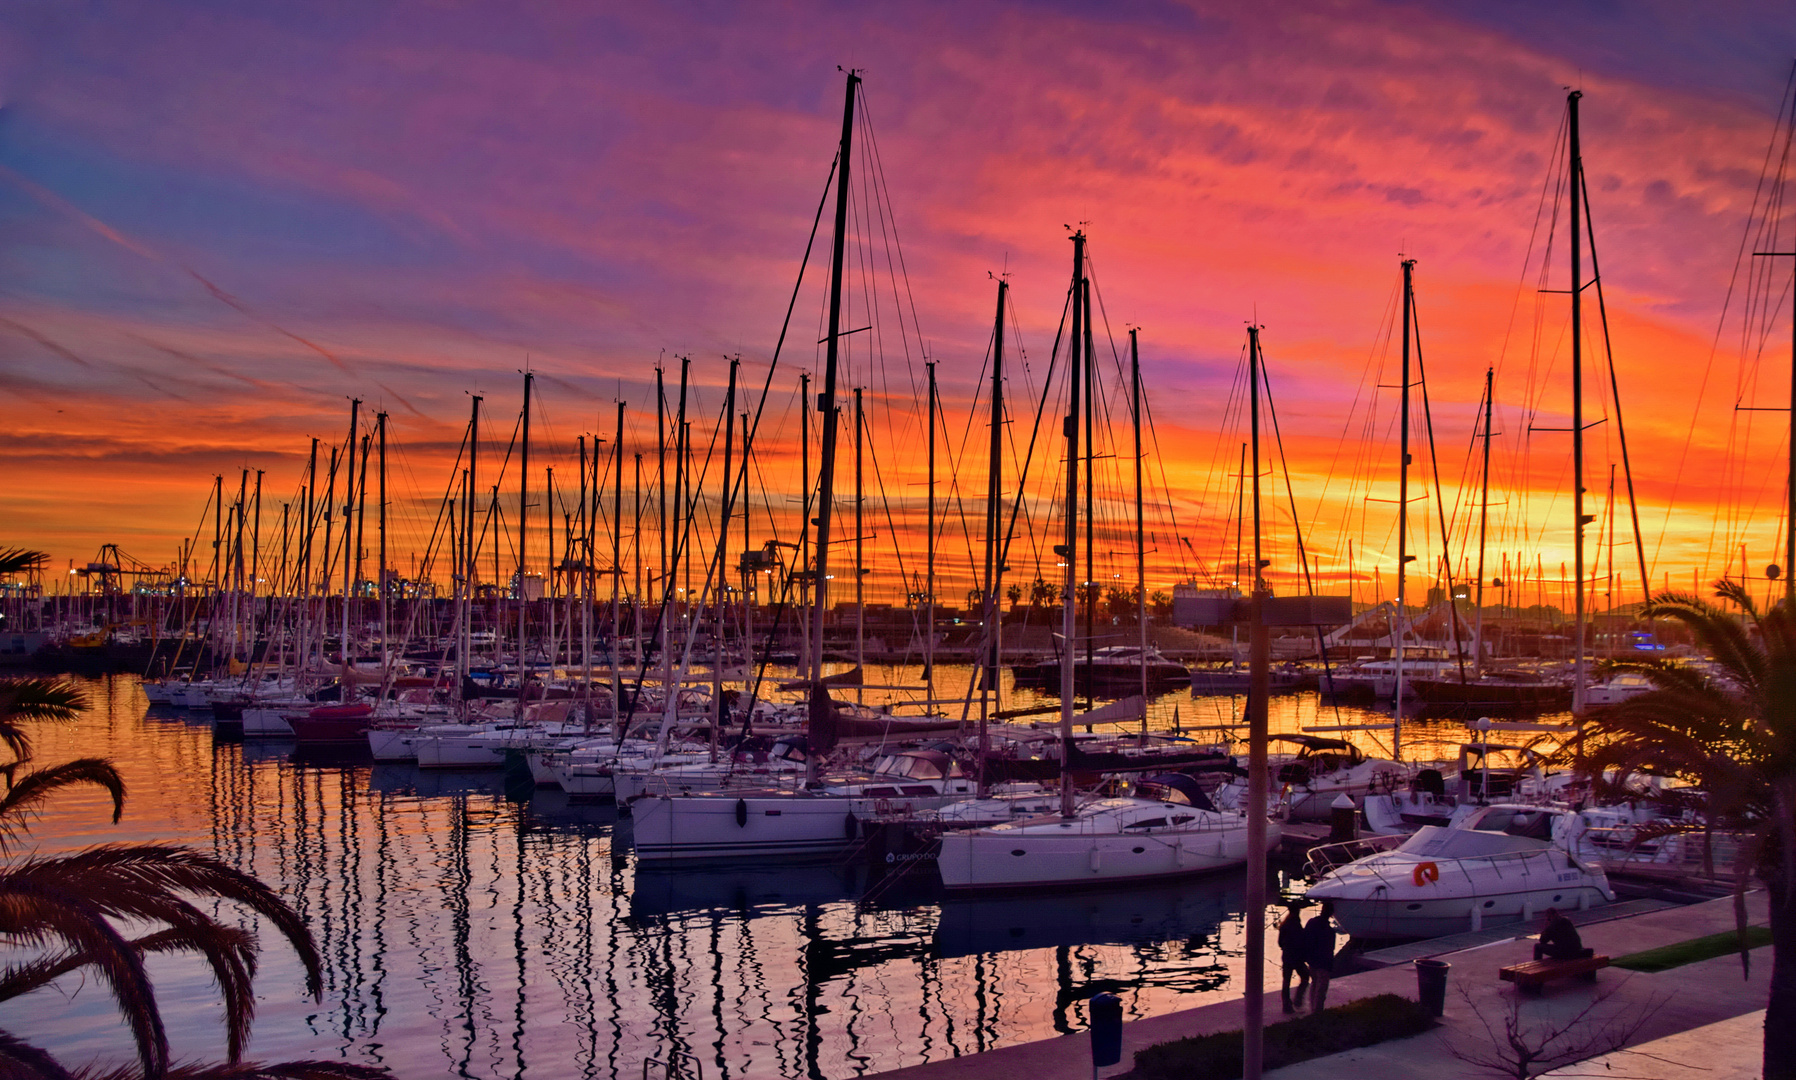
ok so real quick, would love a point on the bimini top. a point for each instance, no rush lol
(1314, 742)
(1435, 842)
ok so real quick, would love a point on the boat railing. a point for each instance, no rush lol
(1464, 864)
(1325, 857)
(1636, 849)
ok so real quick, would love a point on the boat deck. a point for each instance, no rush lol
(1393, 955)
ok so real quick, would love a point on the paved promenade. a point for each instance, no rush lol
(1670, 1002)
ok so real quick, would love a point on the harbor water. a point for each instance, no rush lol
(472, 926)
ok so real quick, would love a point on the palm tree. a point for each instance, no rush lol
(67, 909)
(21, 560)
(1733, 739)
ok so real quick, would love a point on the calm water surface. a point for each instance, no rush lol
(473, 929)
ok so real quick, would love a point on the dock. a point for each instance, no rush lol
(1673, 1002)
(1395, 955)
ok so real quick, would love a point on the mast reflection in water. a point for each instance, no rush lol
(473, 930)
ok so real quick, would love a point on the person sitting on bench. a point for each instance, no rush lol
(1559, 940)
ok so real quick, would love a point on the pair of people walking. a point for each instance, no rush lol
(1307, 950)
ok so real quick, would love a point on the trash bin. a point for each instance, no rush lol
(1341, 823)
(1106, 1030)
(1431, 985)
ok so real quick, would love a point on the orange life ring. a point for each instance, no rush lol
(1426, 872)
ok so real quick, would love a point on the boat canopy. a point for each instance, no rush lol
(1435, 842)
(1314, 742)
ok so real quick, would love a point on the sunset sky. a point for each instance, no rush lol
(221, 221)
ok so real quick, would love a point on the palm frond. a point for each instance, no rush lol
(38, 913)
(35, 699)
(1717, 631)
(20, 1059)
(231, 953)
(143, 880)
(22, 560)
(25, 794)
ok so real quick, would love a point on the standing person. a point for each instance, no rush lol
(1290, 949)
(1319, 954)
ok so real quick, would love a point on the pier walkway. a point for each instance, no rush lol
(1671, 1002)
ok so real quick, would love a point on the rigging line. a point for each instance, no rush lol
(1533, 234)
(767, 382)
(1646, 584)
(1029, 457)
(1786, 108)
(954, 490)
(1359, 393)
(1440, 504)
(1172, 512)
(871, 144)
(676, 554)
(1278, 440)
(891, 524)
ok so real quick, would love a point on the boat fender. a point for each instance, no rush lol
(742, 813)
(1425, 873)
(848, 824)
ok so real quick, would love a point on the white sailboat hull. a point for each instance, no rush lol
(675, 827)
(999, 860)
(267, 722)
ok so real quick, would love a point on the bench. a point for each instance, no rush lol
(1532, 976)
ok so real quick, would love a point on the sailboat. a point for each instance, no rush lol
(822, 819)
(1172, 832)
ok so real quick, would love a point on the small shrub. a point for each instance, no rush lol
(1667, 957)
(1366, 1022)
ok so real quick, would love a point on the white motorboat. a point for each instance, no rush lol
(1105, 842)
(1308, 782)
(1502, 863)
(1616, 689)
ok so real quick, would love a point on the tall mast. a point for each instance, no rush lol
(1140, 523)
(682, 516)
(718, 607)
(305, 560)
(218, 564)
(805, 668)
(661, 495)
(523, 516)
(1091, 569)
(1409, 266)
(1483, 524)
(636, 602)
(929, 560)
(826, 405)
(1259, 651)
(617, 556)
(1575, 163)
(255, 540)
(463, 659)
(589, 501)
(361, 511)
(355, 407)
(380, 428)
(860, 549)
(1069, 625)
(237, 634)
(751, 585)
(994, 493)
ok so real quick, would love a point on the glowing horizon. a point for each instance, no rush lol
(224, 226)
